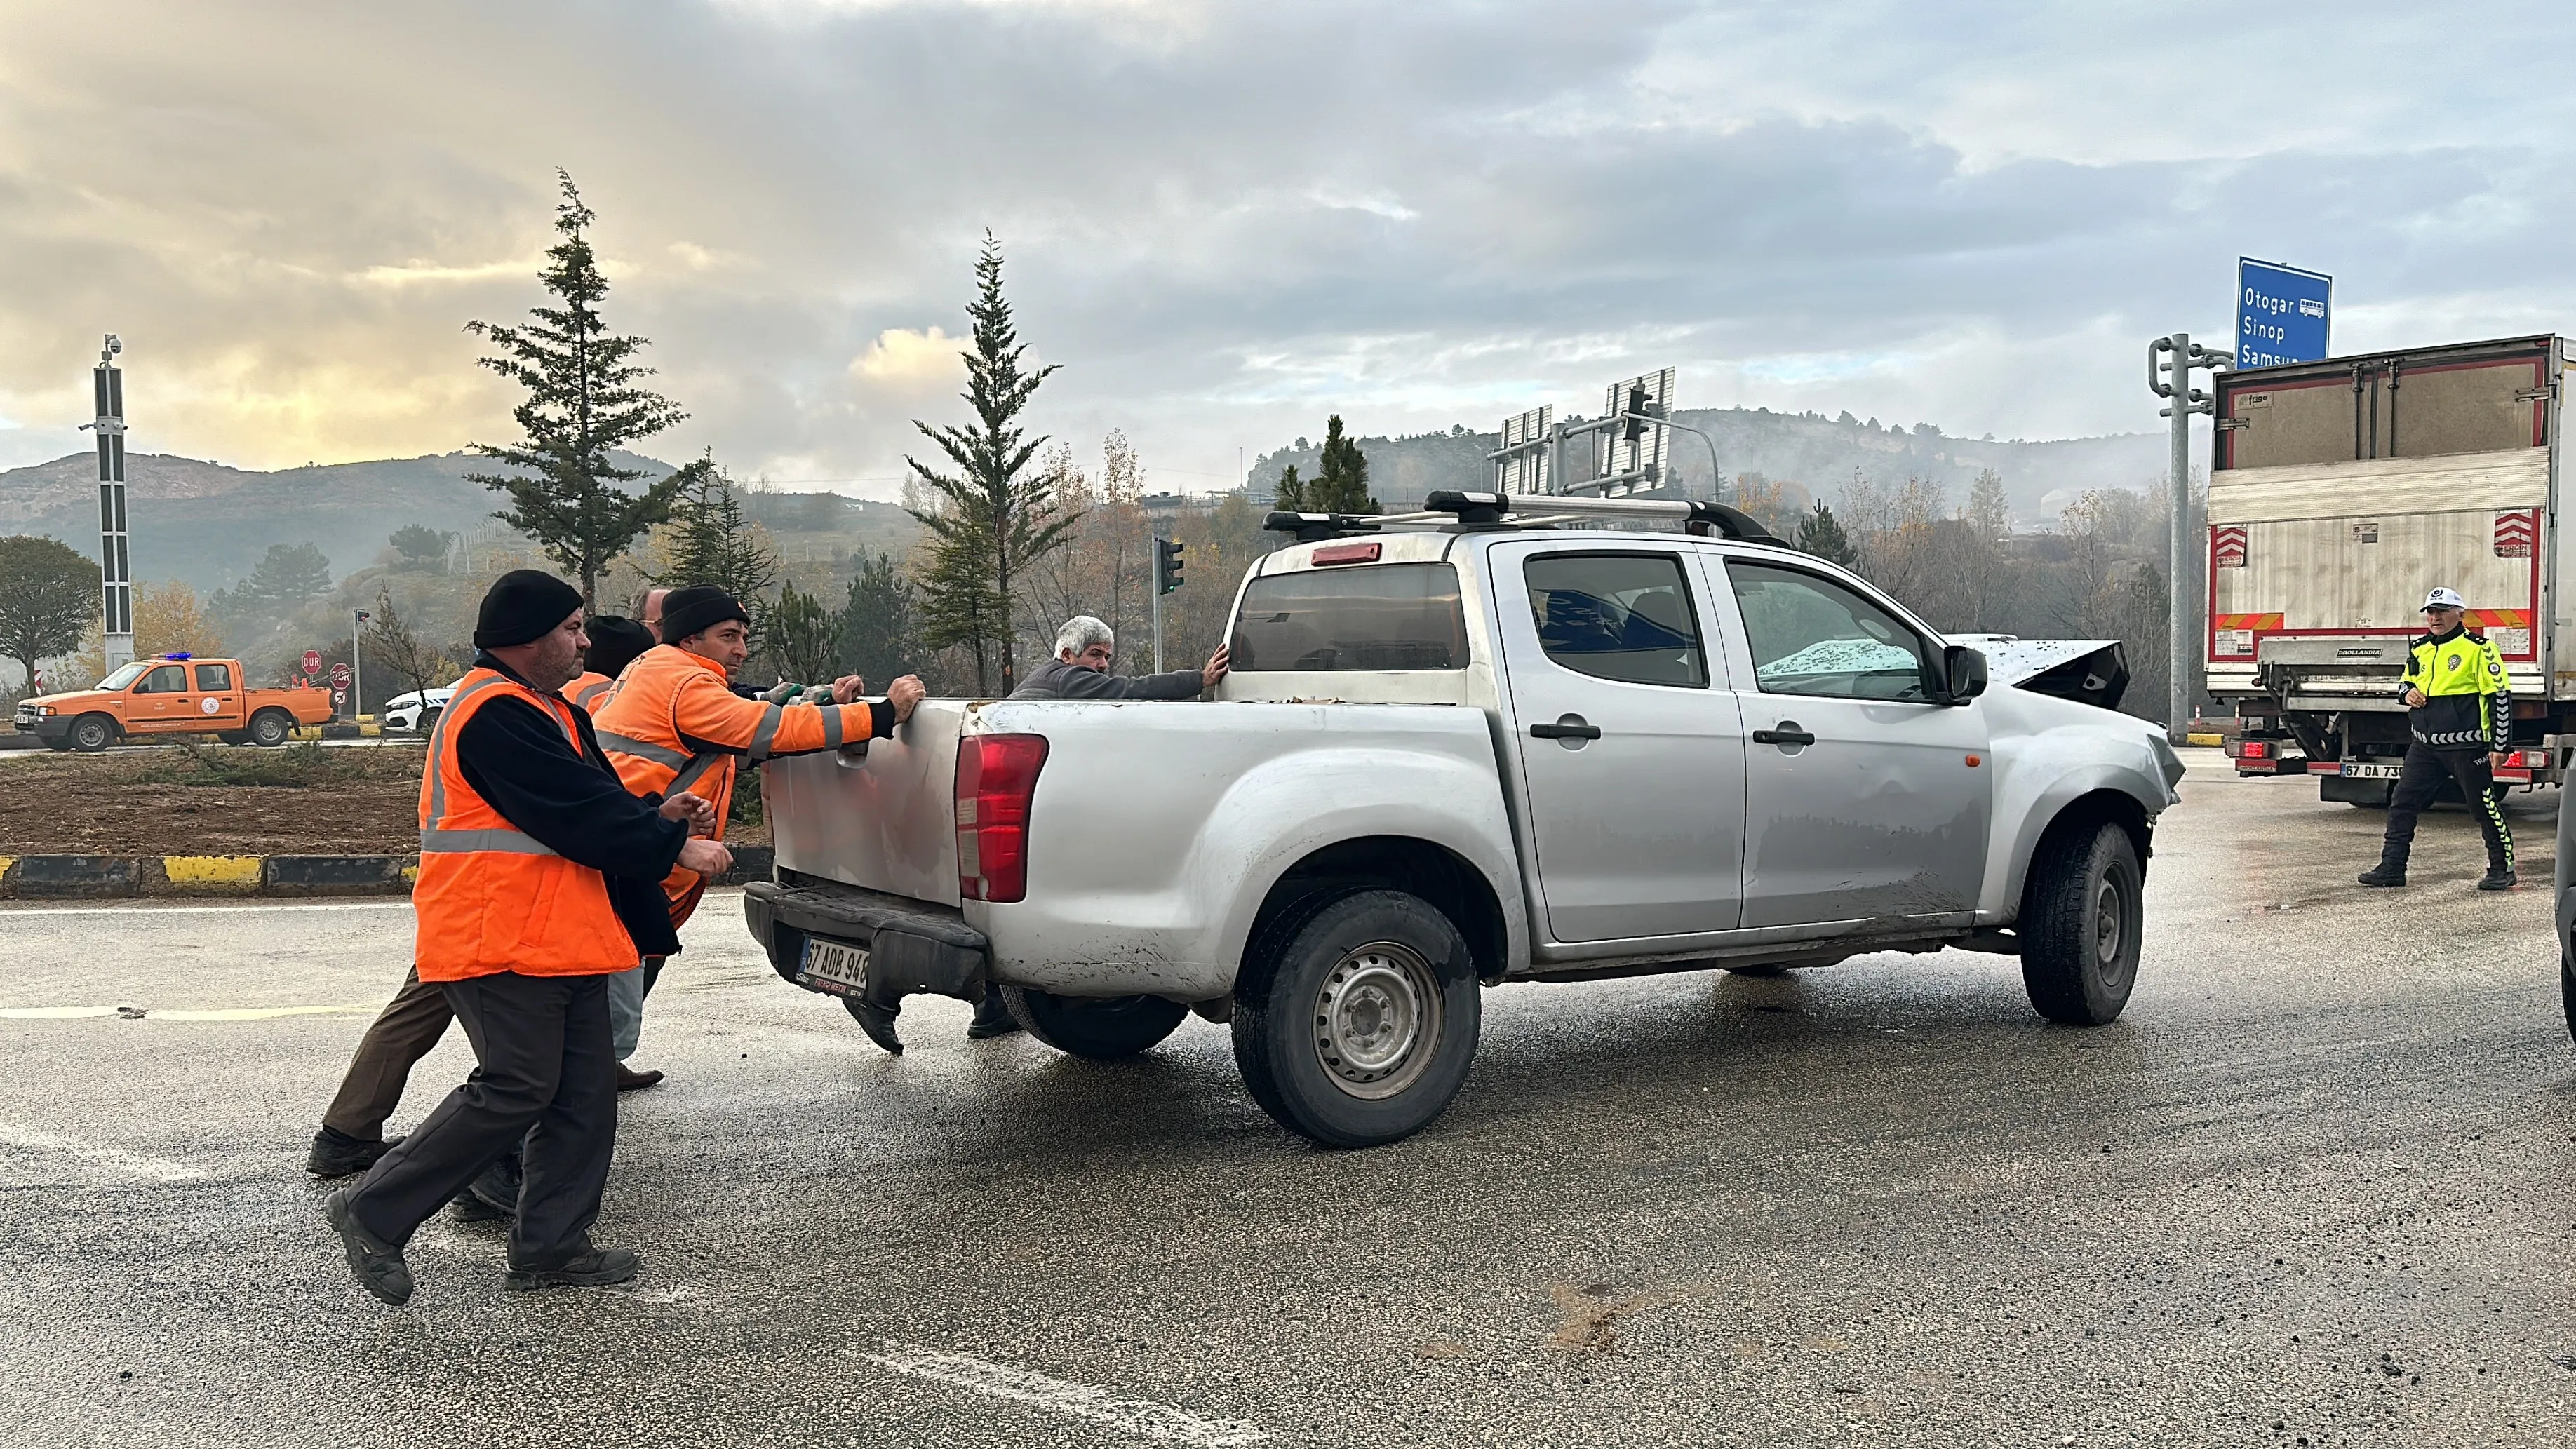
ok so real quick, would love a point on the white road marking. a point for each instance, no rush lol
(1062, 1396)
(229, 1013)
(130, 1164)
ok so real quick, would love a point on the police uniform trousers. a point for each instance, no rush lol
(545, 1073)
(2420, 779)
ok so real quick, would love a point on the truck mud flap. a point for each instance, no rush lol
(2373, 793)
(912, 948)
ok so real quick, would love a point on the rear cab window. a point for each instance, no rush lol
(1395, 616)
(1622, 616)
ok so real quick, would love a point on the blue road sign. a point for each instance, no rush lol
(2282, 314)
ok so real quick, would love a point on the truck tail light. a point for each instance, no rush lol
(2254, 749)
(996, 775)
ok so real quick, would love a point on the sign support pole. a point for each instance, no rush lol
(115, 578)
(1158, 605)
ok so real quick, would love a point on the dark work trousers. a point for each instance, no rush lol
(546, 1073)
(2420, 779)
(402, 1033)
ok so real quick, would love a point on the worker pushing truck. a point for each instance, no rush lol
(2341, 492)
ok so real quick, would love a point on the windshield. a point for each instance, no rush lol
(1390, 616)
(126, 674)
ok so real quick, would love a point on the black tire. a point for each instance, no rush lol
(2567, 990)
(2082, 923)
(1760, 968)
(428, 721)
(1101, 1028)
(1356, 1018)
(232, 737)
(92, 733)
(270, 727)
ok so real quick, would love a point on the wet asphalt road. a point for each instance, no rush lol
(2318, 1178)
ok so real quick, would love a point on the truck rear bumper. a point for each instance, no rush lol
(912, 946)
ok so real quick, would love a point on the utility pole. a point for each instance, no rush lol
(2170, 361)
(115, 576)
(357, 665)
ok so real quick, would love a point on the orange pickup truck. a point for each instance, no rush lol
(176, 694)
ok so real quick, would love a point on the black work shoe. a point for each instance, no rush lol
(497, 1187)
(2498, 880)
(2383, 876)
(465, 1207)
(591, 1268)
(379, 1265)
(877, 1021)
(631, 1080)
(337, 1154)
(992, 1018)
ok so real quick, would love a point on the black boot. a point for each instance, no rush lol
(2499, 878)
(992, 1017)
(497, 1186)
(337, 1154)
(2385, 874)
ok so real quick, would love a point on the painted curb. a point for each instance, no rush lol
(59, 877)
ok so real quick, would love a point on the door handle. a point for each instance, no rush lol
(1787, 733)
(1567, 727)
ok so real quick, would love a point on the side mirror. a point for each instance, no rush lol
(1963, 674)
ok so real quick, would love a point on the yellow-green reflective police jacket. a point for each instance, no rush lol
(2468, 702)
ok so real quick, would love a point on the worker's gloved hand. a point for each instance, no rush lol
(783, 692)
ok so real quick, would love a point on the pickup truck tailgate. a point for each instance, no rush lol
(884, 819)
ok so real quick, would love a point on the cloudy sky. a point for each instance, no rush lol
(1227, 219)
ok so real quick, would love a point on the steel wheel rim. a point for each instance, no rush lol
(2110, 928)
(1377, 1019)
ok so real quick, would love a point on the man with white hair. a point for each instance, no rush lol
(1084, 650)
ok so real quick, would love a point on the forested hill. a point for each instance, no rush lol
(1813, 450)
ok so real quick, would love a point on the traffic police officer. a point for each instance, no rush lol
(2459, 709)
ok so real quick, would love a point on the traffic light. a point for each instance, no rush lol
(1630, 406)
(1167, 565)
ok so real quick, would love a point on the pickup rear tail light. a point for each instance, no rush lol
(996, 775)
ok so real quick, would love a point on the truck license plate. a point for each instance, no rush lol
(833, 967)
(2365, 770)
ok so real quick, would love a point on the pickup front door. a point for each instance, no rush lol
(1864, 800)
(1632, 753)
(158, 697)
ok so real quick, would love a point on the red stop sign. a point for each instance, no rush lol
(312, 661)
(339, 676)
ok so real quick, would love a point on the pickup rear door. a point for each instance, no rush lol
(1864, 800)
(219, 697)
(1631, 748)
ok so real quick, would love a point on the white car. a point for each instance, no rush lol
(1475, 751)
(418, 709)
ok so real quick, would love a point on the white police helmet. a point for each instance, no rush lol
(2444, 598)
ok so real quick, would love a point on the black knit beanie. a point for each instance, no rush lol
(524, 605)
(615, 640)
(696, 609)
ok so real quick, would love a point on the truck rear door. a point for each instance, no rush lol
(219, 697)
(1864, 799)
(1631, 749)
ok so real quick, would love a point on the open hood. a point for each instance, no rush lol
(2087, 671)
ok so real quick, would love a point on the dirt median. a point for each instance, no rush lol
(221, 800)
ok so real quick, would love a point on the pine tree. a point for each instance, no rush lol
(1821, 534)
(1988, 506)
(1341, 475)
(804, 637)
(1291, 494)
(708, 541)
(991, 521)
(877, 629)
(584, 399)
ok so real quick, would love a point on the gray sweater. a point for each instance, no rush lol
(1056, 679)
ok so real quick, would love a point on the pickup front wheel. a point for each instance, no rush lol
(1356, 1017)
(2082, 922)
(92, 733)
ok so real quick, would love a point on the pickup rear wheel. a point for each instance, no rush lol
(1356, 1018)
(270, 727)
(1103, 1028)
(2082, 923)
(92, 733)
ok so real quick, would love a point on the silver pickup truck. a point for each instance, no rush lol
(1465, 748)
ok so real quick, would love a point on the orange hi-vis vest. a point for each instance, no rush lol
(671, 723)
(588, 691)
(490, 898)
